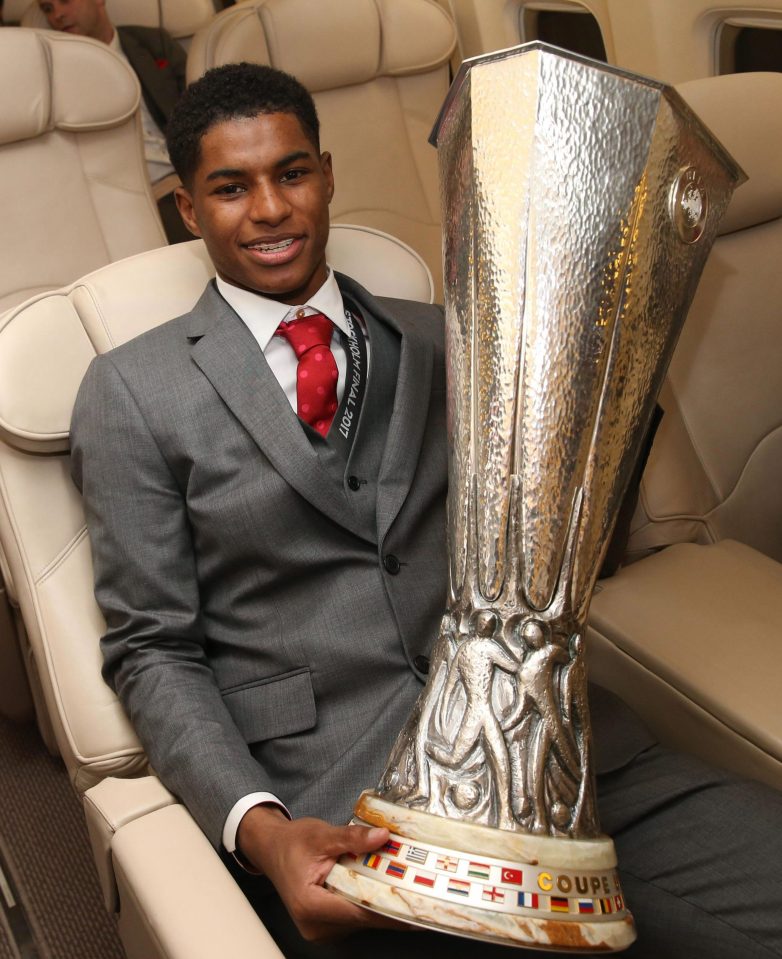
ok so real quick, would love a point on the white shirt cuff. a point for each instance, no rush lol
(239, 809)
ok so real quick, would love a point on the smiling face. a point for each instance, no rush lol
(260, 198)
(84, 18)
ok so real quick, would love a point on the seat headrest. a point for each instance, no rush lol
(51, 80)
(744, 112)
(335, 43)
(47, 343)
(181, 18)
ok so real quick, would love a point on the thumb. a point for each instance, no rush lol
(364, 838)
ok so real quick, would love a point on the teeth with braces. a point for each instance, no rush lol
(272, 247)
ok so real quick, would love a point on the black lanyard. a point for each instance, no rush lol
(345, 422)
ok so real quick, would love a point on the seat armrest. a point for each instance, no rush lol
(690, 638)
(108, 807)
(176, 899)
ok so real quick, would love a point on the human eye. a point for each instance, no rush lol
(229, 189)
(294, 174)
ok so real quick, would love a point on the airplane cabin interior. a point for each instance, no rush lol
(98, 859)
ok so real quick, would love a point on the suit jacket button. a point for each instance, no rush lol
(392, 564)
(421, 663)
(354, 483)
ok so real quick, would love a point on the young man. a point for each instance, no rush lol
(159, 63)
(270, 592)
(272, 584)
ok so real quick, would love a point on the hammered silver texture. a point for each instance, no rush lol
(579, 205)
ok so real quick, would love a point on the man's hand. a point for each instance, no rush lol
(297, 855)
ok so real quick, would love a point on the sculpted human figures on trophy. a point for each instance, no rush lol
(473, 668)
(548, 757)
(500, 737)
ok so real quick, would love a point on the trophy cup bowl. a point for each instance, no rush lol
(579, 205)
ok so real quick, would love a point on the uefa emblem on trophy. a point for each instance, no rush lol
(579, 205)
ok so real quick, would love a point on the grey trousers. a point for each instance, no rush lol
(700, 857)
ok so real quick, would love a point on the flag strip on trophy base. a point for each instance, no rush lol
(494, 884)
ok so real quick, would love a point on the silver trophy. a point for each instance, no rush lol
(580, 203)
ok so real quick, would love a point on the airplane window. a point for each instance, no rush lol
(575, 30)
(758, 49)
(744, 47)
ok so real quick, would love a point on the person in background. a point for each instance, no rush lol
(159, 63)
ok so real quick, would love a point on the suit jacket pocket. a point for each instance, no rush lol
(273, 707)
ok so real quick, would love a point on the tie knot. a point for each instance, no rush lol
(305, 332)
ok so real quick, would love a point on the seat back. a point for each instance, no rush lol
(378, 71)
(713, 472)
(46, 345)
(74, 195)
(73, 184)
(180, 18)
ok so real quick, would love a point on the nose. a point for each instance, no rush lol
(269, 204)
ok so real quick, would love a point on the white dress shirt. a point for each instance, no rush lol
(262, 317)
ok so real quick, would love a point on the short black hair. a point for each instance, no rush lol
(231, 92)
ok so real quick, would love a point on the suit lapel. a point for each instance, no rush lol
(228, 355)
(411, 407)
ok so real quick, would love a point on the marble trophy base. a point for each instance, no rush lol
(511, 888)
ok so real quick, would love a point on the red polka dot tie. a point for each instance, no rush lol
(316, 375)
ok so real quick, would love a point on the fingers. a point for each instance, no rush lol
(355, 839)
(298, 855)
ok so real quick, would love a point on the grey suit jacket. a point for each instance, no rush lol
(255, 634)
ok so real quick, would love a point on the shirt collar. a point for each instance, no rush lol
(263, 315)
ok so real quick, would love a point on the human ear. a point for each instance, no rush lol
(328, 173)
(184, 203)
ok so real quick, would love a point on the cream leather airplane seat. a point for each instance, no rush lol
(715, 466)
(74, 196)
(378, 71)
(73, 188)
(157, 869)
(691, 634)
(180, 18)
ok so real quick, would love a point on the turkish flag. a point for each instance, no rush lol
(512, 876)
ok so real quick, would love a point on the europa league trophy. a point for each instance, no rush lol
(580, 203)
